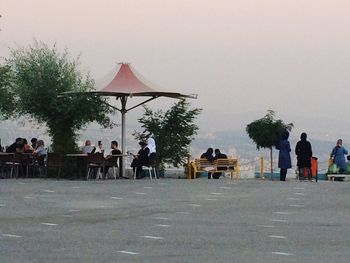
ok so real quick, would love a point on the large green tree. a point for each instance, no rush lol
(6, 92)
(266, 132)
(173, 130)
(39, 75)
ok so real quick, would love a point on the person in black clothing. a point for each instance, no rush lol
(209, 156)
(219, 155)
(304, 153)
(142, 158)
(13, 146)
(114, 151)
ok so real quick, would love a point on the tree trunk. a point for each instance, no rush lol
(271, 163)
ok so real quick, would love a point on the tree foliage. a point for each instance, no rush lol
(39, 76)
(6, 92)
(173, 131)
(267, 131)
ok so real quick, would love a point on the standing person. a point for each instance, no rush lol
(303, 152)
(337, 154)
(284, 161)
(209, 156)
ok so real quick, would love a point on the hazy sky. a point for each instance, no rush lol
(241, 56)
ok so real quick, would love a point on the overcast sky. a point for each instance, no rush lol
(241, 56)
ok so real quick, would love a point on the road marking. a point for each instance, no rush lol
(2, 205)
(162, 218)
(225, 187)
(139, 193)
(216, 193)
(278, 220)
(11, 235)
(281, 213)
(153, 237)
(48, 191)
(49, 224)
(147, 187)
(163, 183)
(162, 225)
(28, 197)
(21, 183)
(117, 198)
(194, 205)
(294, 198)
(183, 213)
(211, 199)
(297, 205)
(302, 194)
(282, 253)
(75, 187)
(67, 216)
(299, 188)
(266, 226)
(280, 237)
(128, 252)
(74, 210)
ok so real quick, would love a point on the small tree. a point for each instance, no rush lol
(173, 131)
(39, 77)
(266, 132)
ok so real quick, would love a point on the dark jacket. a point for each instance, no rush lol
(208, 156)
(304, 153)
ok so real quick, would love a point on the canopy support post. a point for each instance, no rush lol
(123, 113)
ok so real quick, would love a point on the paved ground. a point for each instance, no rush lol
(173, 220)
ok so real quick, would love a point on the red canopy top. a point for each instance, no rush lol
(128, 83)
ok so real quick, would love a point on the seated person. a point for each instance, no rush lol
(209, 156)
(40, 149)
(114, 151)
(33, 142)
(13, 146)
(88, 148)
(142, 158)
(27, 147)
(219, 155)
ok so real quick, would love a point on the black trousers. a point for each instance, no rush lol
(283, 174)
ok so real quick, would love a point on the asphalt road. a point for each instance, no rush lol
(172, 220)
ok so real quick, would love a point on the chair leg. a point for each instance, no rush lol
(87, 174)
(150, 172)
(155, 173)
(115, 173)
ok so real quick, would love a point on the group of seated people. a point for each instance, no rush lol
(21, 145)
(145, 156)
(211, 158)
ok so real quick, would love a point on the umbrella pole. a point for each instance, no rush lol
(123, 112)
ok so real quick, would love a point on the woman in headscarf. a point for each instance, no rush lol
(284, 162)
(337, 154)
(303, 152)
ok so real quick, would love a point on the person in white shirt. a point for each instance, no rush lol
(88, 148)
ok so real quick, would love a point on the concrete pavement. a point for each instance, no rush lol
(173, 220)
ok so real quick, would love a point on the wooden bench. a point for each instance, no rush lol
(218, 166)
